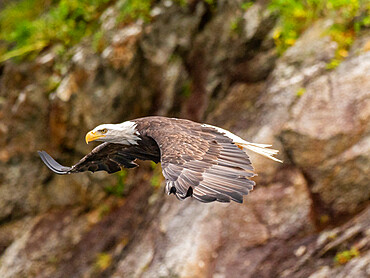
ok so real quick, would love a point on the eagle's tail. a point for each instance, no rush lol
(262, 149)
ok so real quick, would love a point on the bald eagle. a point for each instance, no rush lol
(205, 162)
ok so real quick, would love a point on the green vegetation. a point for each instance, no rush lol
(98, 42)
(131, 10)
(157, 178)
(246, 5)
(103, 261)
(236, 25)
(118, 188)
(324, 219)
(186, 89)
(349, 16)
(300, 92)
(184, 3)
(345, 256)
(103, 210)
(29, 26)
(211, 3)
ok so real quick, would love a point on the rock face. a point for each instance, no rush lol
(327, 134)
(302, 219)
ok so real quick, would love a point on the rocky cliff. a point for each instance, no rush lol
(307, 217)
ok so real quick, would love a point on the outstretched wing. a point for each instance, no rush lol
(107, 157)
(201, 162)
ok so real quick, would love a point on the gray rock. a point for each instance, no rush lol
(38, 250)
(326, 136)
(216, 235)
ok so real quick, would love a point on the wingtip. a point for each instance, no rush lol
(52, 164)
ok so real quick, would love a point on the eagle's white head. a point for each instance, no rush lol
(124, 133)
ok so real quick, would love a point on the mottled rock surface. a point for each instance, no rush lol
(188, 62)
(328, 135)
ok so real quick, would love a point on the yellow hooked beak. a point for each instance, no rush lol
(92, 136)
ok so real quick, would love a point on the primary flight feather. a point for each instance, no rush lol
(205, 162)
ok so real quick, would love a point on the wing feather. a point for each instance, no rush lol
(203, 160)
(107, 157)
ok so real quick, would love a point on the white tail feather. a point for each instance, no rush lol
(261, 149)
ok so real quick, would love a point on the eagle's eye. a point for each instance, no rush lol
(103, 131)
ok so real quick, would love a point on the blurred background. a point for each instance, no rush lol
(295, 74)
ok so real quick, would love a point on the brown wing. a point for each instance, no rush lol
(201, 162)
(107, 157)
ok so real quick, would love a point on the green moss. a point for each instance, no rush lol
(52, 83)
(349, 17)
(64, 21)
(103, 261)
(246, 5)
(236, 25)
(324, 219)
(119, 187)
(103, 210)
(20, 51)
(212, 3)
(185, 3)
(98, 42)
(157, 177)
(52, 260)
(186, 89)
(345, 256)
(333, 64)
(300, 92)
(15, 16)
(182, 3)
(131, 10)
(28, 26)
